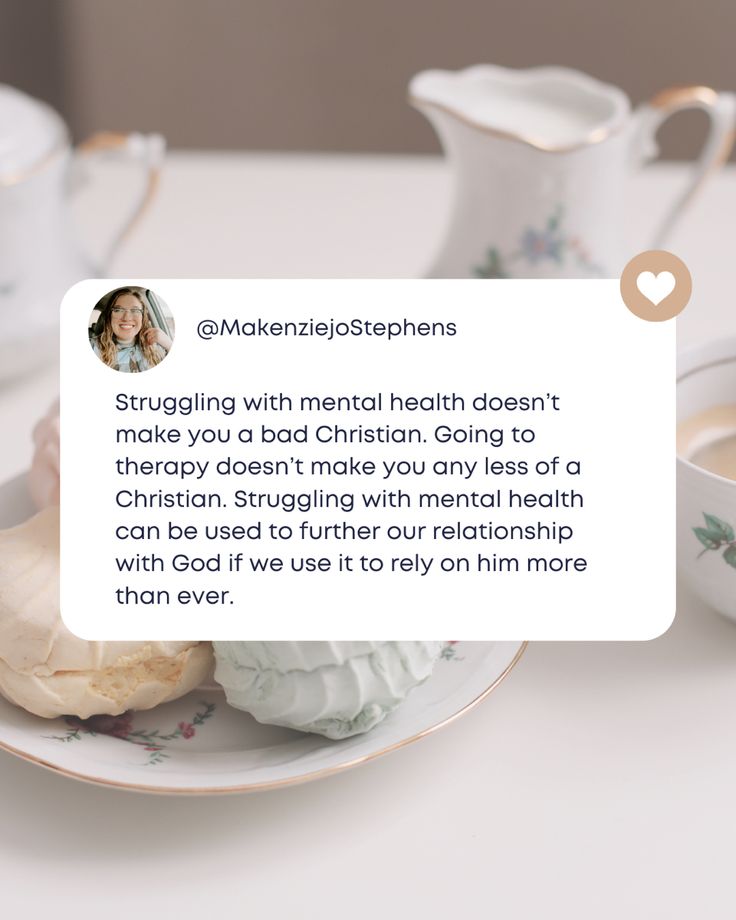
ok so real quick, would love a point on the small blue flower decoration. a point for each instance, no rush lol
(550, 243)
(537, 245)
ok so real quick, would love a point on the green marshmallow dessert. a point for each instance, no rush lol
(336, 689)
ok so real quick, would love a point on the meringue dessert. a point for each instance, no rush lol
(336, 689)
(43, 478)
(50, 672)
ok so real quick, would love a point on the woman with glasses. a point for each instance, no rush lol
(129, 341)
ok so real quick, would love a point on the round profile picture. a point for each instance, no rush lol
(131, 329)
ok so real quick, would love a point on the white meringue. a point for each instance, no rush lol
(47, 670)
(43, 478)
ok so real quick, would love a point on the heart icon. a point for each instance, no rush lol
(656, 287)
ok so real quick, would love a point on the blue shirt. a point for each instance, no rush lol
(129, 358)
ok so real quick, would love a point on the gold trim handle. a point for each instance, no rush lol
(145, 149)
(721, 110)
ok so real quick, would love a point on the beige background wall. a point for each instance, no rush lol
(332, 74)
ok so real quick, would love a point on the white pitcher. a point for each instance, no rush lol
(541, 160)
(40, 256)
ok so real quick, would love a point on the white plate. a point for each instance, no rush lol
(199, 745)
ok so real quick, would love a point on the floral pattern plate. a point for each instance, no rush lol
(200, 745)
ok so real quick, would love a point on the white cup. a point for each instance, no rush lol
(706, 502)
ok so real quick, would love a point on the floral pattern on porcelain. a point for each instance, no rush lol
(154, 741)
(449, 652)
(536, 246)
(716, 535)
(121, 727)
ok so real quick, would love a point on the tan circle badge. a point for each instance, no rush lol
(656, 285)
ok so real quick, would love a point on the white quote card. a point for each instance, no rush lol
(358, 459)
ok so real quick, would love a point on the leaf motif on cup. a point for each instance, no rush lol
(718, 526)
(716, 534)
(709, 538)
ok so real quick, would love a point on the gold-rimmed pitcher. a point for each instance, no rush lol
(541, 160)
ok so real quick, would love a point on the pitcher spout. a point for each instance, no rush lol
(553, 109)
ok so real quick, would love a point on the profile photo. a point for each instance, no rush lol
(131, 329)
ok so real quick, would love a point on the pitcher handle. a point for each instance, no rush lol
(145, 149)
(721, 110)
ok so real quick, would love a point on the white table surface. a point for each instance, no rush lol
(599, 781)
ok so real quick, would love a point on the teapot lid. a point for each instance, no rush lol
(30, 132)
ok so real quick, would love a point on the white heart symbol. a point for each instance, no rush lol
(656, 287)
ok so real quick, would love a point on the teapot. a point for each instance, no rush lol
(40, 256)
(541, 162)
